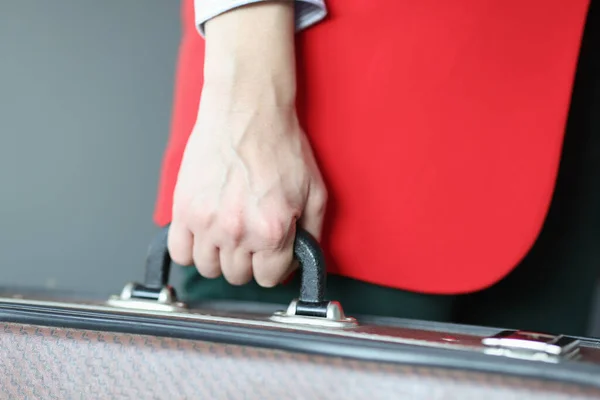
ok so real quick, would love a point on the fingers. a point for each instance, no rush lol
(314, 211)
(206, 258)
(236, 264)
(269, 258)
(180, 243)
(272, 266)
(239, 247)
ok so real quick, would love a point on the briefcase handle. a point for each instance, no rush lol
(311, 303)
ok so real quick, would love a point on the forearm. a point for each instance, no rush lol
(250, 54)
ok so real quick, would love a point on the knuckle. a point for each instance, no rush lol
(272, 232)
(201, 218)
(233, 228)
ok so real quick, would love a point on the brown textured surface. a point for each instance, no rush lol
(52, 363)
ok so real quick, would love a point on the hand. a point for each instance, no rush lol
(246, 178)
(248, 174)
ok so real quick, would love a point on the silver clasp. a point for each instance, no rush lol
(167, 300)
(335, 317)
(532, 346)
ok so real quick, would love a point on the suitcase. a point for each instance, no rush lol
(144, 343)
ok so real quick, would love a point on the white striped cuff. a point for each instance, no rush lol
(308, 12)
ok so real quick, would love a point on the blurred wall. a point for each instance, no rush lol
(85, 103)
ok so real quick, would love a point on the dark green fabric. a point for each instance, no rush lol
(356, 297)
(551, 290)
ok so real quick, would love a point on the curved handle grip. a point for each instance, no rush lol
(312, 264)
(306, 250)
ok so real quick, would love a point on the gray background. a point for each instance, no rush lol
(85, 105)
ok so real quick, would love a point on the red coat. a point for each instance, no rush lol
(438, 126)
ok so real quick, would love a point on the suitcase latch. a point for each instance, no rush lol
(532, 346)
(139, 297)
(331, 316)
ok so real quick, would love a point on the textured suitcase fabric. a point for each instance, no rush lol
(88, 350)
(57, 363)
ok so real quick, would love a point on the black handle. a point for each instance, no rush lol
(306, 250)
(312, 265)
(158, 262)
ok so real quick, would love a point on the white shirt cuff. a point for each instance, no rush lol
(308, 12)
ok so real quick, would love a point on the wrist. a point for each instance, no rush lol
(246, 95)
(250, 54)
